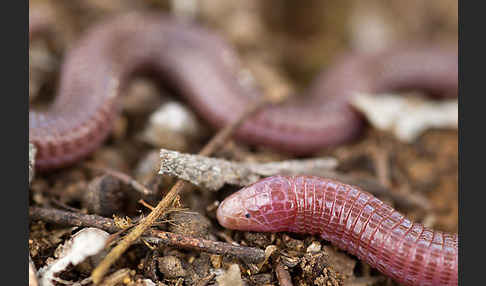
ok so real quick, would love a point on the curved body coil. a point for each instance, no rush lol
(204, 69)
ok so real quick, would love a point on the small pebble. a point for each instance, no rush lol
(172, 126)
(189, 224)
(315, 246)
(171, 267)
(104, 196)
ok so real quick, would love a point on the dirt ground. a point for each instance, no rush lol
(281, 43)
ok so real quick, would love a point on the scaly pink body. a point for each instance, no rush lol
(349, 218)
(205, 71)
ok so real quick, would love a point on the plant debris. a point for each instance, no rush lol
(118, 277)
(212, 174)
(85, 243)
(32, 274)
(161, 238)
(230, 277)
(407, 117)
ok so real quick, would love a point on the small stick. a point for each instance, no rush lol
(217, 142)
(283, 275)
(62, 205)
(381, 162)
(249, 254)
(72, 219)
(118, 277)
(145, 204)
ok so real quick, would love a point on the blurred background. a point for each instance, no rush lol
(293, 39)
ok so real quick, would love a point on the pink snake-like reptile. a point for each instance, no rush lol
(204, 69)
(349, 218)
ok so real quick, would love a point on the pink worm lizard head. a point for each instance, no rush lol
(248, 209)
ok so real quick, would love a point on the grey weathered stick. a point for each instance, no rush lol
(212, 173)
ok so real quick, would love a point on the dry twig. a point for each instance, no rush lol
(217, 142)
(118, 277)
(72, 219)
(248, 254)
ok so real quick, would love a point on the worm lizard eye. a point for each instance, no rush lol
(247, 215)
